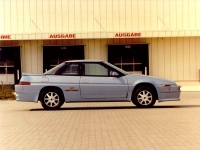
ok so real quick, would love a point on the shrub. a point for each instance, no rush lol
(6, 92)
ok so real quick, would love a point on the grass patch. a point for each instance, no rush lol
(6, 92)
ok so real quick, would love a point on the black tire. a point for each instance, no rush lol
(51, 99)
(144, 97)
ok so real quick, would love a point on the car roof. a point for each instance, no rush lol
(85, 60)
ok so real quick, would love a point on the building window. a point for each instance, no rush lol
(131, 58)
(6, 61)
(54, 55)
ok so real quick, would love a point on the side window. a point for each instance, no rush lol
(94, 69)
(71, 69)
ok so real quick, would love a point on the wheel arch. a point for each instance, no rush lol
(145, 84)
(53, 87)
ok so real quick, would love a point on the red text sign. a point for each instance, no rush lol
(127, 34)
(62, 36)
(5, 37)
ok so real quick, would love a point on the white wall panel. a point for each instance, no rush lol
(110, 14)
(141, 12)
(114, 17)
(14, 17)
(197, 56)
(27, 17)
(179, 14)
(154, 16)
(104, 49)
(185, 14)
(39, 56)
(46, 15)
(166, 14)
(34, 57)
(86, 49)
(2, 16)
(192, 59)
(65, 16)
(24, 16)
(173, 14)
(192, 14)
(172, 61)
(103, 19)
(154, 57)
(122, 15)
(7, 10)
(52, 15)
(186, 58)
(91, 46)
(78, 19)
(161, 58)
(84, 15)
(97, 49)
(128, 12)
(197, 14)
(149, 41)
(167, 58)
(33, 16)
(160, 15)
(135, 16)
(180, 59)
(58, 16)
(97, 18)
(20, 16)
(39, 17)
(147, 15)
(27, 56)
(90, 4)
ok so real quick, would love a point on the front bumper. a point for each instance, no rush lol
(169, 93)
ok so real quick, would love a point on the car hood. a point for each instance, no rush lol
(150, 79)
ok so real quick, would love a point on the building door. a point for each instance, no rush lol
(133, 58)
(10, 65)
(54, 55)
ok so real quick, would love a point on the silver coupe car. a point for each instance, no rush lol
(93, 81)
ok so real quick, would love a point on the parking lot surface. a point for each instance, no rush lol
(103, 126)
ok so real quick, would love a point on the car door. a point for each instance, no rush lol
(68, 79)
(98, 81)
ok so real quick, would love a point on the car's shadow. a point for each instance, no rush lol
(114, 107)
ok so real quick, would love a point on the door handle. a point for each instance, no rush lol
(85, 81)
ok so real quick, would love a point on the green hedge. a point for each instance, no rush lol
(6, 92)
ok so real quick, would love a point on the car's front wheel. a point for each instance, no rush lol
(51, 99)
(144, 96)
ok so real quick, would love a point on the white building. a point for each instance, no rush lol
(157, 37)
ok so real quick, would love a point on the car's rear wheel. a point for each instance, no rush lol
(144, 96)
(51, 99)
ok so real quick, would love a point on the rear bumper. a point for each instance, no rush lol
(25, 95)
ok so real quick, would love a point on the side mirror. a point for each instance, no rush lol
(114, 74)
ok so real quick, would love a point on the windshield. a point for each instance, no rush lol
(55, 69)
(113, 66)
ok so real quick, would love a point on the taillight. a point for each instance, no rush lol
(24, 83)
